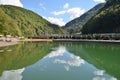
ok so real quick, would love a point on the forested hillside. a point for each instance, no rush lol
(107, 20)
(77, 24)
(17, 21)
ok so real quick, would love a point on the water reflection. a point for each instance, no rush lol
(70, 61)
(99, 72)
(103, 78)
(12, 75)
(60, 61)
(22, 55)
(57, 52)
(99, 75)
(60, 64)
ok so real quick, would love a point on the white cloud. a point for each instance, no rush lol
(103, 78)
(58, 21)
(58, 12)
(75, 61)
(11, 2)
(42, 6)
(99, 72)
(100, 1)
(66, 6)
(67, 68)
(12, 75)
(58, 52)
(99, 78)
(75, 12)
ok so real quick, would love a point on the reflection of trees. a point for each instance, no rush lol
(103, 56)
(22, 55)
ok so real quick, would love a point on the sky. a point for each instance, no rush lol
(55, 11)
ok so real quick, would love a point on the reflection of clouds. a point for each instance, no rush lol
(70, 61)
(100, 76)
(67, 68)
(103, 78)
(12, 75)
(99, 72)
(58, 52)
(113, 78)
(74, 61)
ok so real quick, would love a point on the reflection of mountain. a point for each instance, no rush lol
(22, 55)
(60, 64)
(105, 57)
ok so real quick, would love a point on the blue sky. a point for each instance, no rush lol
(56, 11)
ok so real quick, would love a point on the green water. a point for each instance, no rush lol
(60, 61)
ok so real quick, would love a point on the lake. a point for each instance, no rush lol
(60, 61)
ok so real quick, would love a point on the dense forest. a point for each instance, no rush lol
(77, 24)
(18, 21)
(107, 20)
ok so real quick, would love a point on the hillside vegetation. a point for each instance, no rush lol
(77, 24)
(17, 21)
(107, 20)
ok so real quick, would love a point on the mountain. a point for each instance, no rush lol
(107, 20)
(78, 23)
(18, 21)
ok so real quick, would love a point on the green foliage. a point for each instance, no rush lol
(106, 21)
(18, 21)
(78, 23)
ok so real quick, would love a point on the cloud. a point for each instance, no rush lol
(66, 6)
(99, 75)
(42, 6)
(103, 78)
(58, 12)
(99, 72)
(75, 61)
(11, 2)
(58, 21)
(12, 75)
(58, 52)
(99, 1)
(67, 68)
(75, 12)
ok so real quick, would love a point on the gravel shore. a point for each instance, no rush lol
(4, 43)
(15, 41)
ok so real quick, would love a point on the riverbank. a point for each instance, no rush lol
(4, 43)
(87, 40)
(32, 40)
(15, 41)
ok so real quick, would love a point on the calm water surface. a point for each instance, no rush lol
(60, 61)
